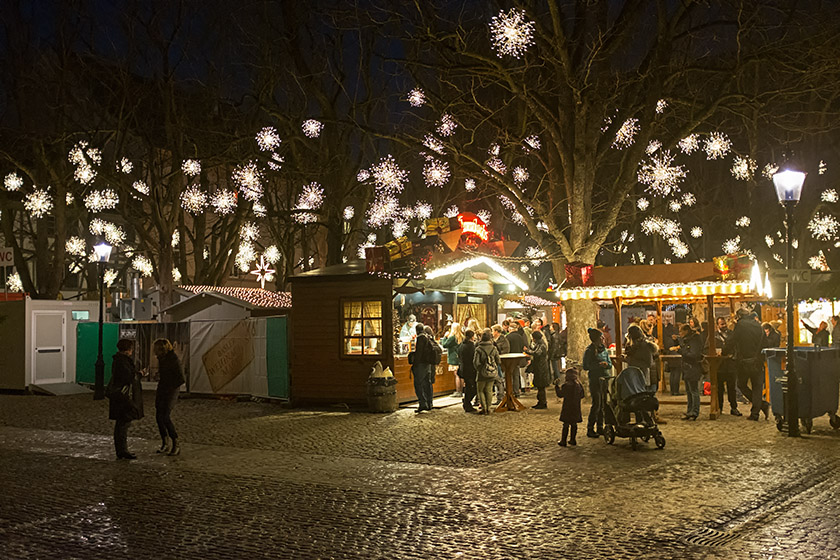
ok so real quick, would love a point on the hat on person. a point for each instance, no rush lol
(594, 334)
(742, 313)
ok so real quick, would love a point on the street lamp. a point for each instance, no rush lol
(103, 253)
(788, 185)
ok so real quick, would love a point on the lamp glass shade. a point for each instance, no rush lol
(103, 252)
(788, 185)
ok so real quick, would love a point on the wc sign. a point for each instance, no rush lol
(7, 258)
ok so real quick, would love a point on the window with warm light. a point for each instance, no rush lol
(362, 328)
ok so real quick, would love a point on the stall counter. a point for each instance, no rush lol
(444, 379)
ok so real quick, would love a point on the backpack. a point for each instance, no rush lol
(438, 351)
(485, 368)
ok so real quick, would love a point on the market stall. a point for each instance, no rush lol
(727, 281)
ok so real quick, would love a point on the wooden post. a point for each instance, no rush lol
(660, 336)
(619, 332)
(714, 361)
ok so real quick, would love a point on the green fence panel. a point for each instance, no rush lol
(87, 340)
(277, 357)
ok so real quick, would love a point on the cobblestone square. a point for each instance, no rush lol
(259, 481)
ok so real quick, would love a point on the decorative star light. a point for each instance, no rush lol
(259, 209)
(310, 198)
(124, 165)
(75, 246)
(447, 125)
(38, 203)
(399, 227)
(469, 184)
(823, 227)
(652, 146)
(743, 168)
(248, 177)
(626, 135)
(382, 210)
(532, 142)
(520, 175)
(14, 283)
(717, 145)
(85, 174)
(223, 201)
(263, 271)
(268, 139)
(191, 167)
(829, 195)
(13, 182)
(743, 221)
(434, 144)
(665, 227)
(349, 212)
(436, 172)
(272, 254)
(689, 144)
(732, 246)
(142, 265)
(688, 199)
(675, 206)
(312, 128)
(363, 175)
(642, 204)
(678, 248)
(416, 97)
(141, 187)
(193, 200)
(106, 199)
(661, 177)
(388, 176)
(511, 33)
(661, 105)
(696, 232)
(249, 231)
(452, 211)
(423, 210)
(245, 256)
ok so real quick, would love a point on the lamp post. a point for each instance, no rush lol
(788, 185)
(103, 253)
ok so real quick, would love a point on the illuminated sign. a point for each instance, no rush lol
(470, 223)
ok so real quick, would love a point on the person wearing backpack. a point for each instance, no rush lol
(422, 369)
(466, 355)
(487, 366)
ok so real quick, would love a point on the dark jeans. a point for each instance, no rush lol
(570, 427)
(728, 375)
(596, 417)
(470, 391)
(692, 390)
(674, 379)
(121, 436)
(423, 385)
(751, 383)
(556, 371)
(541, 400)
(164, 403)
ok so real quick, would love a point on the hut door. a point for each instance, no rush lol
(49, 340)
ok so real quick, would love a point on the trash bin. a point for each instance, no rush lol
(819, 383)
(382, 394)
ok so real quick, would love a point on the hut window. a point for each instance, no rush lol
(362, 328)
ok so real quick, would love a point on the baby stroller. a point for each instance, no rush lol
(624, 395)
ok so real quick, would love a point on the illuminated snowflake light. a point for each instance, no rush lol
(310, 198)
(769, 170)
(778, 258)
(794, 243)
(193, 200)
(125, 166)
(542, 226)
(142, 265)
(436, 173)
(665, 227)
(141, 187)
(363, 175)
(382, 210)
(743, 221)
(272, 254)
(312, 128)
(678, 248)
(818, 262)
(275, 162)
(497, 165)
(447, 125)
(511, 33)
(536, 255)
(114, 234)
(417, 97)
(245, 256)
(434, 144)
(520, 175)
(452, 211)
(76, 155)
(13, 182)
(661, 177)
(532, 142)
(524, 268)
(485, 216)
(823, 227)
(423, 210)
(223, 201)
(191, 167)
(642, 204)
(85, 174)
(626, 135)
(689, 144)
(388, 176)
(688, 199)
(769, 241)
(249, 231)
(176, 238)
(248, 177)
(106, 199)
(823, 168)
(349, 212)
(38, 203)
(14, 283)
(268, 139)
(75, 246)
(652, 147)
(69, 199)
(675, 206)
(494, 150)
(110, 276)
(176, 275)
(829, 195)
(743, 168)
(260, 211)
(717, 145)
(661, 105)
(399, 227)
(469, 185)
(696, 232)
(732, 246)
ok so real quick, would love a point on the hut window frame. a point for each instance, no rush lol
(359, 319)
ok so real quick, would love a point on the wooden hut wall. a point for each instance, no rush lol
(320, 373)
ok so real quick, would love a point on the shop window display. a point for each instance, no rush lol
(362, 328)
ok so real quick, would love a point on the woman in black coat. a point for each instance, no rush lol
(126, 396)
(166, 395)
(539, 367)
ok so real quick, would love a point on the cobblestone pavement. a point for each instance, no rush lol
(258, 481)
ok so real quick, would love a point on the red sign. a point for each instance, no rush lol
(470, 223)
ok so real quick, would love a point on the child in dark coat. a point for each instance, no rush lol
(572, 393)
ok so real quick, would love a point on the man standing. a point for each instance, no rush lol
(728, 371)
(745, 343)
(516, 343)
(501, 343)
(422, 369)
(596, 361)
(466, 353)
(835, 331)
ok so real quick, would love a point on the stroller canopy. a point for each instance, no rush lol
(629, 383)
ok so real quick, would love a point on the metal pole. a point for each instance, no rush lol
(792, 380)
(99, 371)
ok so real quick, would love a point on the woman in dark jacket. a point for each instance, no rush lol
(466, 354)
(166, 395)
(539, 367)
(641, 353)
(572, 393)
(556, 349)
(125, 394)
(691, 350)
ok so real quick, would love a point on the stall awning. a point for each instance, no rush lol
(661, 291)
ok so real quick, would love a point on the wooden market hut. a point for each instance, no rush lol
(669, 284)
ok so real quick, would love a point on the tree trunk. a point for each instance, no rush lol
(165, 281)
(580, 316)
